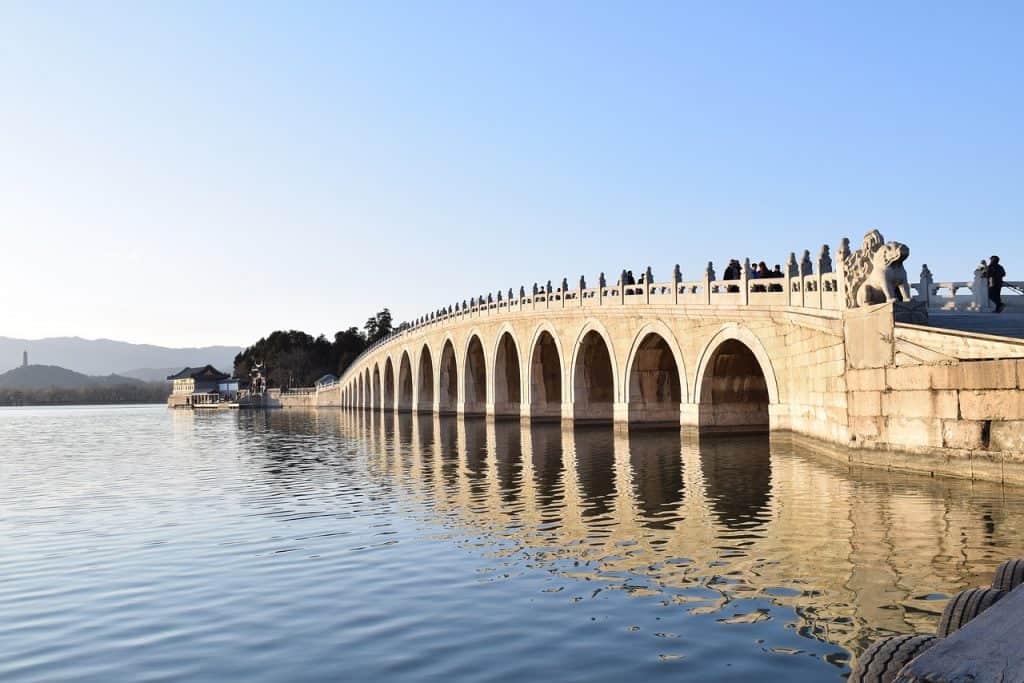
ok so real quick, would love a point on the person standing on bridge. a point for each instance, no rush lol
(996, 273)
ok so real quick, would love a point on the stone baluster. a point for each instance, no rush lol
(924, 289)
(824, 266)
(824, 260)
(805, 271)
(601, 284)
(582, 286)
(842, 254)
(709, 277)
(745, 283)
(677, 277)
(979, 288)
(805, 264)
(648, 281)
(622, 287)
(565, 289)
(534, 298)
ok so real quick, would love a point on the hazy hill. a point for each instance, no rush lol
(33, 377)
(104, 356)
(158, 374)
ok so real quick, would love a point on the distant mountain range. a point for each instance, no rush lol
(104, 356)
(32, 377)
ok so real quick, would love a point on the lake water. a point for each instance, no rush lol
(145, 544)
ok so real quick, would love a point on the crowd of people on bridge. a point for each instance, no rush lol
(734, 271)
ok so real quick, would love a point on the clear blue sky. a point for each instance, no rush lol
(192, 173)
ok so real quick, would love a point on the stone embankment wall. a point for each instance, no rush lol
(935, 400)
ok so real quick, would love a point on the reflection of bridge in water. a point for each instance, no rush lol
(701, 522)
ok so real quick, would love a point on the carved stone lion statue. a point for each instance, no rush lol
(875, 272)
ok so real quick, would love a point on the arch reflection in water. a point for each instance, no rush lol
(847, 557)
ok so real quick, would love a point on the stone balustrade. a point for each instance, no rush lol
(965, 295)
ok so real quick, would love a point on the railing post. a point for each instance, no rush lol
(677, 277)
(622, 289)
(842, 253)
(745, 282)
(979, 288)
(600, 289)
(709, 277)
(648, 281)
(924, 288)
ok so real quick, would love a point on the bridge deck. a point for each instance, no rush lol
(1000, 325)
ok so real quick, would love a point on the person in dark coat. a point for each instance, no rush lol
(996, 273)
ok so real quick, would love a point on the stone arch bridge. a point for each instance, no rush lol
(794, 353)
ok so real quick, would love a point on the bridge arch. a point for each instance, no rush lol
(546, 373)
(425, 381)
(595, 383)
(507, 375)
(735, 382)
(374, 395)
(448, 379)
(474, 392)
(655, 384)
(388, 392)
(405, 383)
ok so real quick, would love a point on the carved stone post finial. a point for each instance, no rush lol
(924, 290)
(535, 289)
(547, 288)
(709, 271)
(522, 292)
(824, 260)
(677, 275)
(805, 264)
(649, 276)
(583, 282)
(499, 296)
(792, 270)
(622, 278)
(844, 249)
(565, 284)
(601, 281)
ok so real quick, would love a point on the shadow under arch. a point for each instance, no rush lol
(655, 383)
(545, 378)
(546, 463)
(508, 457)
(448, 380)
(389, 385)
(735, 383)
(507, 377)
(475, 380)
(595, 468)
(593, 379)
(405, 383)
(374, 387)
(425, 382)
(656, 460)
(737, 477)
